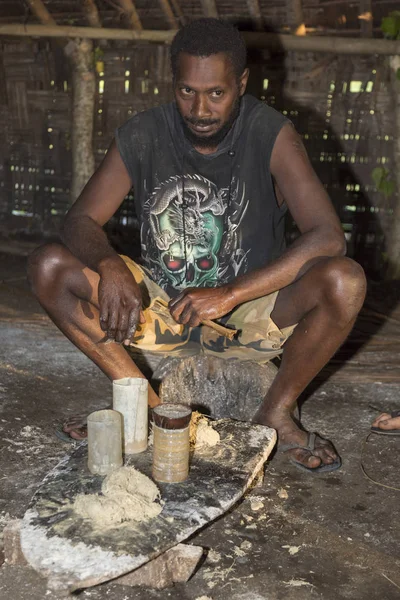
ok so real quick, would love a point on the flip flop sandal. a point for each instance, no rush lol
(394, 414)
(323, 468)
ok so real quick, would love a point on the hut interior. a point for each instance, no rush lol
(343, 105)
(333, 68)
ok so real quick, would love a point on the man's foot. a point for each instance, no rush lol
(301, 447)
(387, 423)
(73, 429)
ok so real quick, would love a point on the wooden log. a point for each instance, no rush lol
(278, 42)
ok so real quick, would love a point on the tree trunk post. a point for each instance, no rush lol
(84, 87)
(393, 247)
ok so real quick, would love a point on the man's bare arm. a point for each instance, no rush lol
(82, 230)
(313, 213)
(82, 233)
(321, 236)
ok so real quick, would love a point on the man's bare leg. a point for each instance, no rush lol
(67, 290)
(325, 303)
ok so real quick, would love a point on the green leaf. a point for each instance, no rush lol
(387, 188)
(390, 25)
(398, 74)
(378, 175)
(383, 184)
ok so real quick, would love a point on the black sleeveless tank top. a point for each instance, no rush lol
(204, 219)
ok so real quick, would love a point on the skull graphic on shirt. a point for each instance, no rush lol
(183, 230)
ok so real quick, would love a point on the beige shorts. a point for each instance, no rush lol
(259, 339)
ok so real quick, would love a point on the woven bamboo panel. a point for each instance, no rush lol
(342, 107)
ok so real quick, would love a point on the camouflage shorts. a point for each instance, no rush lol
(259, 339)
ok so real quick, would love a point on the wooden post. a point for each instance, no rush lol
(295, 15)
(393, 245)
(365, 17)
(255, 13)
(84, 86)
(83, 78)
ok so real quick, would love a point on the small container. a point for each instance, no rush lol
(104, 441)
(171, 442)
(130, 398)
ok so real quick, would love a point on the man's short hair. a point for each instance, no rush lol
(207, 36)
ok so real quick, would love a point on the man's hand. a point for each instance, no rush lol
(195, 305)
(120, 301)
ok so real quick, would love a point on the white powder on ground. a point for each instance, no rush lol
(128, 495)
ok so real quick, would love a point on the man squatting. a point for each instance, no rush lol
(213, 174)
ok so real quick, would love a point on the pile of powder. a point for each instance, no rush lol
(128, 495)
(201, 432)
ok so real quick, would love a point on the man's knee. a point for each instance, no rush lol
(344, 286)
(44, 266)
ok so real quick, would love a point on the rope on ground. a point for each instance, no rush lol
(364, 471)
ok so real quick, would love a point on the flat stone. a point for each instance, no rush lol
(73, 554)
(13, 554)
(227, 388)
(174, 566)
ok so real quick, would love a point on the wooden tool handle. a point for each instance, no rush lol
(225, 331)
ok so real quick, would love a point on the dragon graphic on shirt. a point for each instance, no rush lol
(190, 232)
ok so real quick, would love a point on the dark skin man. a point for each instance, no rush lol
(89, 292)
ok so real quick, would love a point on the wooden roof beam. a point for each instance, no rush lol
(178, 11)
(209, 8)
(278, 42)
(129, 9)
(168, 13)
(41, 12)
(255, 13)
(91, 12)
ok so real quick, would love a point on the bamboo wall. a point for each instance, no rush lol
(341, 105)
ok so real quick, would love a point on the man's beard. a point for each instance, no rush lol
(216, 138)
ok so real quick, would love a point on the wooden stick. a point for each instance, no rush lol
(225, 331)
(274, 41)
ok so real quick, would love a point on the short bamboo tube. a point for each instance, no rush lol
(171, 442)
(104, 441)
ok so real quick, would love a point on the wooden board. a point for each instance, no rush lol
(73, 555)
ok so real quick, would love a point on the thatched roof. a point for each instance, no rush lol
(340, 17)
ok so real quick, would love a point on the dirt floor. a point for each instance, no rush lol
(297, 537)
